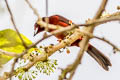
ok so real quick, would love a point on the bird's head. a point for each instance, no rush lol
(38, 28)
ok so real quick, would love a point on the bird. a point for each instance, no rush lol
(102, 59)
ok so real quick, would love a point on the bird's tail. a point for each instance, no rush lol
(99, 57)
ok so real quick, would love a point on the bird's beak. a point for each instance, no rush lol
(34, 34)
(38, 28)
(35, 31)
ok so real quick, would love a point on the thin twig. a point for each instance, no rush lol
(101, 20)
(12, 70)
(107, 41)
(8, 53)
(34, 10)
(13, 22)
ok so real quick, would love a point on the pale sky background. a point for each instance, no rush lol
(78, 11)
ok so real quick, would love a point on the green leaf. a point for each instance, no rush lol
(10, 41)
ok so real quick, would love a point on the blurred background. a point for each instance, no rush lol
(78, 11)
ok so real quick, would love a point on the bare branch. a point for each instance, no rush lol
(102, 20)
(8, 53)
(12, 70)
(34, 10)
(13, 22)
(101, 9)
(107, 41)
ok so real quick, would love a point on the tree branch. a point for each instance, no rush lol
(103, 20)
(85, 41)
(8, 53)
(101, 9)
(34, 10)
(107, 41)
(13, 22)
(50, 50)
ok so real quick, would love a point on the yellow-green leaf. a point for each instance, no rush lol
(10, 41)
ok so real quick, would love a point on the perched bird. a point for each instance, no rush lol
(92, 51)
